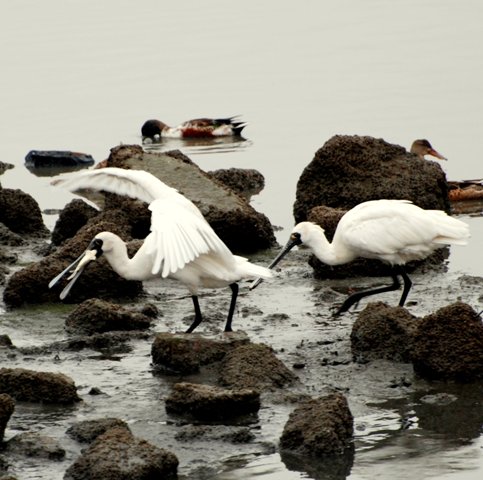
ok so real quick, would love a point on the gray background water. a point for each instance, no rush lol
(84, 76)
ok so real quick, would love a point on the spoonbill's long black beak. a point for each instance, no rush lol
(78, 265)
(293, 242)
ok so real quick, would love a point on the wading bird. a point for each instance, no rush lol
(196, 128)
(394, 231)
(181, 244)
(423, 147)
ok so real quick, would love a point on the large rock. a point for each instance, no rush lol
(31, 386)
(227, 212)
(207, 402)
(349, 170)
(448, 344)
(119, 455)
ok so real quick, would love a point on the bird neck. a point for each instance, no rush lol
(329, 253)
(120, 262)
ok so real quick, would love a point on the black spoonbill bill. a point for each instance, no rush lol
(422, 147)
(181, 244)
(196, 128)
(394, 231)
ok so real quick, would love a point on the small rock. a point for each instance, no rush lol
(184, 354)
(383, 332)
(30, 386)
(88, 430)
(7, 406)
(72, 217)
(255, 366)
(232, 434)
(319, 427)
(246, 182)
(98, 316)
(211, 403)
(57, 159)
(21, 214)
(33, 444)
(4, 167)
(5, 341)
(9, 238)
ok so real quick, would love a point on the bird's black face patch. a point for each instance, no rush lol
(295, 239)
(96, 245)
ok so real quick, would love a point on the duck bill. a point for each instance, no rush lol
(76, 267)
(290, 244)
(436, 154)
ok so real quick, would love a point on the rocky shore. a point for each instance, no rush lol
(291, 379)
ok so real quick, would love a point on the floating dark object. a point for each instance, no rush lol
(57, 158)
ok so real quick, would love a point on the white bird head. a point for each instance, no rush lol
(100, 244)
(304, 234)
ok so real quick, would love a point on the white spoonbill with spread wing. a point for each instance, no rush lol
(394, 231)
(181, 244)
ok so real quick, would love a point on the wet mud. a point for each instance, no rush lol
(395, 411)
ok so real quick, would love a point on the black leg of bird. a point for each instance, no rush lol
(198, 316)
(231, 311)
(407, 286)
(355, 297)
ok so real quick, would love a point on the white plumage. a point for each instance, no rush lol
(181, 244)
(394, 231)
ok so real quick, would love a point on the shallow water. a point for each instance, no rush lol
(84, 76)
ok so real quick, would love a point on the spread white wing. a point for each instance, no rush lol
(178, 237)
(133, 183)
(179, 232)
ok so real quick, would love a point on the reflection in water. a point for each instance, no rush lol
(436, 423)
(199, 145)
(335, 467)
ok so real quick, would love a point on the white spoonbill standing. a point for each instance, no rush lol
(394, 231)
(181, 244)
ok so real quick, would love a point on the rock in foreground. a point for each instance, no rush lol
(119, 455)
(318, 427)
(448, 344)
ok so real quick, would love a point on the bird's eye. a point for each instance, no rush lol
(97, 243)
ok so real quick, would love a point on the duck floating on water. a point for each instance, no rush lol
(422, 147)
(459, 191)
(196, 128)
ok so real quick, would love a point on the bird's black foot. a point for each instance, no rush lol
(348, 303)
